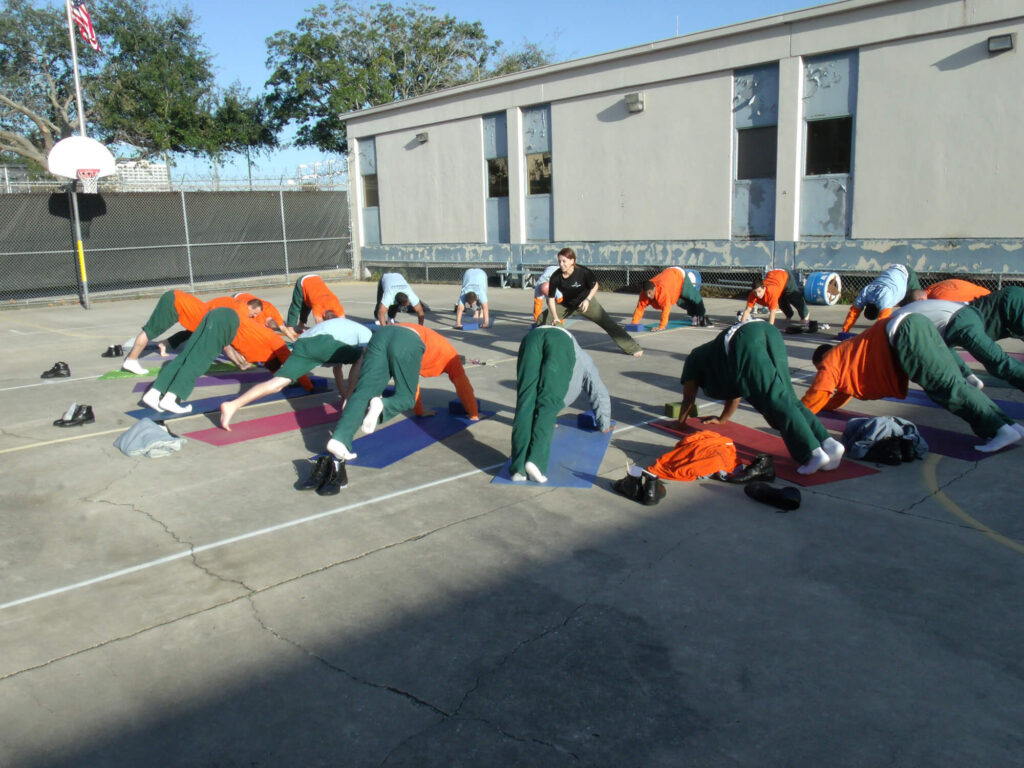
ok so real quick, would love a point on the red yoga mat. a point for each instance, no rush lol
(268, 425)
(750, 442)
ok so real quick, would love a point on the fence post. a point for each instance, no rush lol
(188, 243)
(284, 235)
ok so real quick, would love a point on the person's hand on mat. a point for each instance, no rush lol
(474, 418)
(712, 420)
(656, 328)
(458, 327)
(244, 366)
(428, 412)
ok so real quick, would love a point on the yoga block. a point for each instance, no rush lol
(456, 408)
(471, 326)
(586, 421)
(389, 390)
(634, 327)
(672, 410)
(844, 335)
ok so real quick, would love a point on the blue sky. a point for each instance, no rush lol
(235, 32)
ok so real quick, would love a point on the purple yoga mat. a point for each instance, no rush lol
(211, 381)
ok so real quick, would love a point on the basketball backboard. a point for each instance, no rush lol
(80, 152)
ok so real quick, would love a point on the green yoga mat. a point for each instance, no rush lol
(119, 374)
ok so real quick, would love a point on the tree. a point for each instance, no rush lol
(152, 88)
(344, 58)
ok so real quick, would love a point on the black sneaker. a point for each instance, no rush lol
(58, 371)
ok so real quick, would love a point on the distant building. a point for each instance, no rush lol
(143, 176)
(843, 136)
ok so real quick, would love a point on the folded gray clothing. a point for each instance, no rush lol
(149, 439)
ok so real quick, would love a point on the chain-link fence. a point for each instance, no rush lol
(148, 240)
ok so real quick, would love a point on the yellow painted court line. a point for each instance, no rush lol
(56, 330)
(931, 482)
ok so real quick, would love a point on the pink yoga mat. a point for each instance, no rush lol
(750, 442)
(268, 425)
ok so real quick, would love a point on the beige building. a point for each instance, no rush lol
(843, 136)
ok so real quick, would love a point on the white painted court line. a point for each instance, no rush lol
(255, 534)
(50, 382)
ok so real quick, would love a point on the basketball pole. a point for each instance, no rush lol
(80, 251)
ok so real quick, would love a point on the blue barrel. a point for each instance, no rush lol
(694, 275)
(823, 288)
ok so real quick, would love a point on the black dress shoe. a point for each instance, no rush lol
(653, 490)
(630, 487)
(787, 498)
(336, 479)
(59, 371)
(83, 415)
(761, 468)
(321, 470)
(114, 350)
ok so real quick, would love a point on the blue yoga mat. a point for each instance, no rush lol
(396, 441)
(1012, 409)
(576, 456)
(212, 404)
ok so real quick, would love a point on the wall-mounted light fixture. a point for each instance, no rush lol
(635, 101)
(422, 137)
(1000, 43)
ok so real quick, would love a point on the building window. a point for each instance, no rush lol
(755, 152)
(829, 146)
(370, 199)
(538, 173)
(497, 177)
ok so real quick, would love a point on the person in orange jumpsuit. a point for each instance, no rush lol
(956, 290)
(258, 344)
(177, 307)
(666, 289)
(780, 289)
(312, 296)
(881, 361)
(270, 316)
(402, 351)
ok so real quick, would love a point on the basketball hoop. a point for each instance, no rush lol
(89, 179)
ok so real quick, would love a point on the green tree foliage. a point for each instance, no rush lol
(151, 89)
(345, 57)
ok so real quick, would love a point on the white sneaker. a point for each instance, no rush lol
(1007, 435)
(533, 472)
(373, 413)
(339, 450)
(169, 402)
(518, 477)
(152, 399)
(133, 366)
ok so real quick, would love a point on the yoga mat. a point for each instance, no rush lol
(1011, 408)
(241, 377)
(576, 457)
(394, 442)
(268, 425)
(750, 442)
(972, 359)
(119, 374)
(211, 404)
(955, 445)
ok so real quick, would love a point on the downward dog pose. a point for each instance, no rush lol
(955, 290)
(402, 352)
(578, 286)
(551, 372)
(177, 378)
(311, 296)
(270, 316)
(540, 291)
(333, 342)
(395, 295)
(896, 283)
(883, 359)
(748, 361)
(473, 297)
(779, 289)
(670, 287)
(173, 307)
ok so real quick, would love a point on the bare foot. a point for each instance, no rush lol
(638, 353)
(161, 347)
(227, 412)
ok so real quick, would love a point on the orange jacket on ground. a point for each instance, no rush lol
(774, 286)
(440, 357)
(956, 290)
(191, 310)
(258, 344)
(698, 455)
(241, 306)
(863, 367)
(319, 298)
(668, 286)
(269, 310)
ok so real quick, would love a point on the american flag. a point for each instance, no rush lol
(81, 16)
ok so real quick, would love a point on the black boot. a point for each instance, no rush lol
(321, 470)
(787, 498)
(58, 371)
(335, 480)
(653, 490)
(630, 487)
(761, 468)
(83, 415)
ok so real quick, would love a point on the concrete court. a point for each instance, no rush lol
(197, 611)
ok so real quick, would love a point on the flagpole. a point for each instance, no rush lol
(80, 251)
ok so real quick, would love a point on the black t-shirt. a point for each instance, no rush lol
(574, 288)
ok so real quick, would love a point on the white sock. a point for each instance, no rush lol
(817, 461)
(1019, 428)
(152, 399)
(133, 366)
(975, 382)
(835, 451)
(169, 402)
(69, 412)
(339, 450)
(373, 412)
(518, 477)
(1006, 435)
(534, 474)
